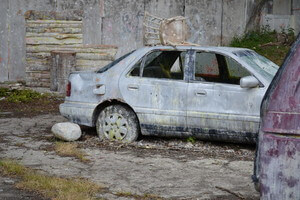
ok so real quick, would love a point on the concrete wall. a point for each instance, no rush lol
(4, 41)
(282, 7)
(205, 21)
(296, 14)
(282, 15)
(234, 19)
(120, 23)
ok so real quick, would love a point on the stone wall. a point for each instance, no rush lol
(49, 31)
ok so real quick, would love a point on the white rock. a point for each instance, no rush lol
(66, 131)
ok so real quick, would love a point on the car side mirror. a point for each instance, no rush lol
(249, 82)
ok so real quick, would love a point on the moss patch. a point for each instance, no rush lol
(17, 96)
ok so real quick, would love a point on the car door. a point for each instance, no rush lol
(218, 107)
(156, 90)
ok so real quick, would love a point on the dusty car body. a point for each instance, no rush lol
(207, 92)
(277, 166)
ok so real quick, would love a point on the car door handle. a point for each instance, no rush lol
(133, 87)
(200, 93)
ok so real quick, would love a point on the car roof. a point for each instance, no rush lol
(222, 49)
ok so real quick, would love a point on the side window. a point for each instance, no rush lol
(213, 67)
(235, 70)
(136, 69)
(164, 64)
(206, 66)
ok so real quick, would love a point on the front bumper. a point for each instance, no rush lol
(79, 113)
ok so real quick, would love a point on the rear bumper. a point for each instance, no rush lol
(79, 113)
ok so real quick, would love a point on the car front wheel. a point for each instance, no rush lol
(116, 122)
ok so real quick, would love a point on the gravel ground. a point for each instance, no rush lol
(169, 168)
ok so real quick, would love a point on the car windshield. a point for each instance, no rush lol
(106, 67)
(259, 63)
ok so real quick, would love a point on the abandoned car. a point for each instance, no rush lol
(209, 93)
(277, 166)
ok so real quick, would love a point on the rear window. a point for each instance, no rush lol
(107, 67)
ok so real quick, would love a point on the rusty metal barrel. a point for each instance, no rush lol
(63, 63)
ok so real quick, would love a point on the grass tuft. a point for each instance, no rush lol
(8, 167)
(70, 149)
(50, 186)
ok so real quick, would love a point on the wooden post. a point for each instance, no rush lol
(63, 63)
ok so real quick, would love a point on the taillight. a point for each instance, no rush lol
(68, 89)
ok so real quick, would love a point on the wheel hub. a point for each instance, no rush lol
(115, 127)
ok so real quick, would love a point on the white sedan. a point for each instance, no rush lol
(209, 93)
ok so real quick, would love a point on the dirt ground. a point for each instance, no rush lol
(168, 168)
(9, 192)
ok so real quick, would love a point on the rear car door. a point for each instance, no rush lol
(155, 88)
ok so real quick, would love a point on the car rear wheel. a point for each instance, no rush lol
(117, 122)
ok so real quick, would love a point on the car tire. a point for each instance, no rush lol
(116, 122)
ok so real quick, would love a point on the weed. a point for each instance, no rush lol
(139, 197)
(50, 186)
(124, 194)
(17, 96)
(70, 149)
(191, 140)
(257, 40)
(8, 167)
(4, 92)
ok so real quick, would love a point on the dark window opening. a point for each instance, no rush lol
(164, 64)
(136, 69)
(213, 67)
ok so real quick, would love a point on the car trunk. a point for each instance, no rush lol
(81, 85)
